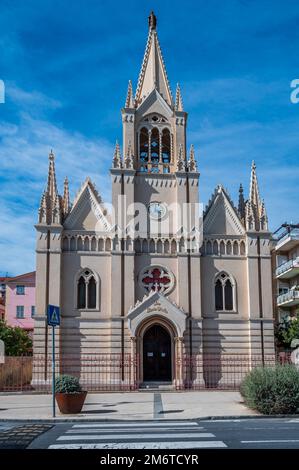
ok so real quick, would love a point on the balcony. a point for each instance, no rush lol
(288, 241)
(288, 299)
(288, 269)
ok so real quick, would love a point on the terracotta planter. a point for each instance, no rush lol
(70, 403)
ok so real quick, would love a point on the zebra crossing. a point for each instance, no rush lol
(137, 435)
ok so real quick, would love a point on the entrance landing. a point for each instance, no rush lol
(161, 386)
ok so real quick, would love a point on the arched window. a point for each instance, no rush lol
(143, 142)
(218, 295)
(228, 295)
(155, 145)
(166, 146)
(81, 293)
(224, 293)
(86, 291)
(92, 291)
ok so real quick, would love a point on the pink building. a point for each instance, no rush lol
(20, 301)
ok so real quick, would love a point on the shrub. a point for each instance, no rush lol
(287, 330)
(272, 390)
(67, 384)
(16, 340)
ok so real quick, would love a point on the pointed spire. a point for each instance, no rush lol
(51, 185)
(256, 217)
(129, 98)
(178, 99)
(42, 211)
(192, 165)
(180, 166)
(66, 197)
(153, 72)
(263, 217)
(241, 206)
(152, 21)
(51, 203)
(116, 162)
(129, 160)
(56, 212)
(249, 217)
(254, 195)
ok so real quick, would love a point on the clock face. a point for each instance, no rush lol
(157, 210)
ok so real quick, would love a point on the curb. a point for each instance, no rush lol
(105, 420)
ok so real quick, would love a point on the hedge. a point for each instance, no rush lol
(272, 390)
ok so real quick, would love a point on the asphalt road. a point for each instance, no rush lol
(265, 433)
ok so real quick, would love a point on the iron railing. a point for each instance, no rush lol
(289, 296)
(287, 265)
(117, 372)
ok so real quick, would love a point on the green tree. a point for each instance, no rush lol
(16, 340)
(287, 330)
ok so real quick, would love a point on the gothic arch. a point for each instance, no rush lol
(93, 245)
(80, 243)
(108, 244)
(236, 248)
(242, 248)
(65, 243)
(229, 248)
(73, 244)
(87, 290)
(173, 246)
(225, 295)
(101, 244)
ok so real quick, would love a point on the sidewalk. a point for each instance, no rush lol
(130, 406)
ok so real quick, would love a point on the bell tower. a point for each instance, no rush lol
(154, 124)
(154, 173)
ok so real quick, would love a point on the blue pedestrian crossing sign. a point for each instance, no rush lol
(53, 315)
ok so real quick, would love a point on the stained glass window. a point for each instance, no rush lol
(156, 278)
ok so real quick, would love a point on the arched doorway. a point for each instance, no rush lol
(157, 354)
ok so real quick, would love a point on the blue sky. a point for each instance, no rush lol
(66, 66)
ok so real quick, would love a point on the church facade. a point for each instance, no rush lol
(151, 276)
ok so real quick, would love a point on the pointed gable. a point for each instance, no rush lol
(221, 217)
(153, 72)
(87, 212)
(156, 304)
(154, 103)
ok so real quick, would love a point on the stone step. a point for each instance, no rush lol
(156, 386)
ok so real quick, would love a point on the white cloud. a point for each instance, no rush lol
(34, 98)
(24, 152)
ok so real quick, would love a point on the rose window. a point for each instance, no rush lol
(156, 278)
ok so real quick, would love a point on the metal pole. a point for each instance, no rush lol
(53, 370)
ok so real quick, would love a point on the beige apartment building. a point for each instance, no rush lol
(195, 288)
(286, 271)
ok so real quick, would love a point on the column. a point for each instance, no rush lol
(179, 369)
(133, 378)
